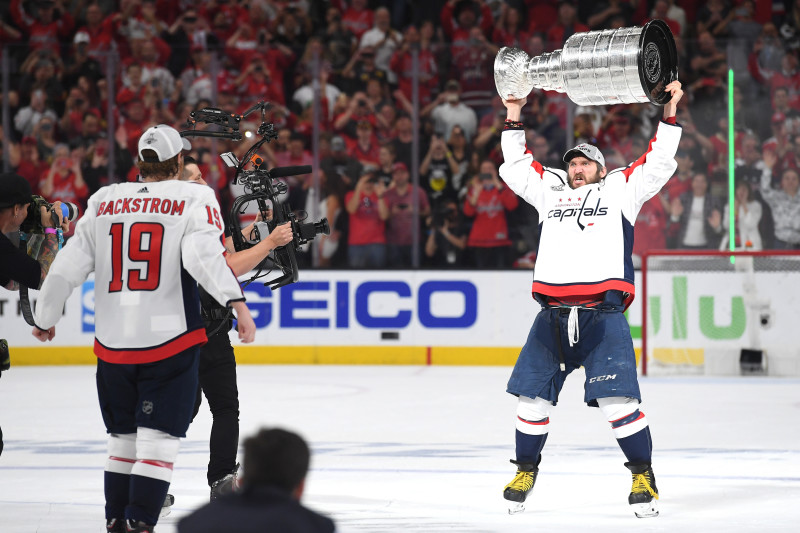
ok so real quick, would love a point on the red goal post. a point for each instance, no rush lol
(702, 310)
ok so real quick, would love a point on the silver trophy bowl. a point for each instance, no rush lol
(623, 66)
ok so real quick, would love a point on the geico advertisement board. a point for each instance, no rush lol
(463, 308)
(339, 308)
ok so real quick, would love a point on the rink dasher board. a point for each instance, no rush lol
(396, 317)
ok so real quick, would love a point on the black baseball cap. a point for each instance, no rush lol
(14, 190)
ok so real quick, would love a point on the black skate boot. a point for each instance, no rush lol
(644, 492)
(134, 526)
(225, 485)
(516, 491)
(115, 525)
(169, 501)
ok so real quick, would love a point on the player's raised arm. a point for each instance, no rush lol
(648, 174)
(520, 171)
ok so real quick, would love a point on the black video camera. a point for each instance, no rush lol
(442, 214)
(260, 185)
(33, 221)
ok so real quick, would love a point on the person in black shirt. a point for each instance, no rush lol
(217, 369)
(447, 238)
(275, 466)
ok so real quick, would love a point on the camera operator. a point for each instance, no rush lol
(16, 266)
(217, 371)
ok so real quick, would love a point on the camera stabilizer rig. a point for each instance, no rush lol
(260, 185)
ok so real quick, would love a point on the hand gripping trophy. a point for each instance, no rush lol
(622, 66)
(591, 213)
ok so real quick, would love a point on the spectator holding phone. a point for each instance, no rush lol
(368, 213)
(487, 201)
(64, 181)
(400, 225)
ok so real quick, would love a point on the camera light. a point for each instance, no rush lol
(248, 134)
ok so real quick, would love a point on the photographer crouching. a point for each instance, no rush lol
(17, 268)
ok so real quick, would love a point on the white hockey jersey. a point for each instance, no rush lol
(149, 244)
(587, 233)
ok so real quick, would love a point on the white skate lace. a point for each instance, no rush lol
(572, 326)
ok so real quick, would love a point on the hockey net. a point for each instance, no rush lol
(720, 313)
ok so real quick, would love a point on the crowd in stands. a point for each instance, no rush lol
(88, 77)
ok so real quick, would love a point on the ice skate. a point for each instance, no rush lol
(169, 501)
(134, 526)
(516, 491)
(644, 492)
(115, 525)
(225, 485)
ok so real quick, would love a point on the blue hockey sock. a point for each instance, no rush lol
(638, 448)
(116, 491)
(147, 496)
(529, 447)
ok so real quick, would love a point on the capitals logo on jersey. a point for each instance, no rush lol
(580, 208)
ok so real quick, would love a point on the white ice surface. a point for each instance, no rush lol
(426, 449)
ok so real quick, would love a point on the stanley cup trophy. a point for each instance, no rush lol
(622, 66)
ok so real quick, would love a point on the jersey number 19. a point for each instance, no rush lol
(144, 246)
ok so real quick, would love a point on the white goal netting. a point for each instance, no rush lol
(720, 313)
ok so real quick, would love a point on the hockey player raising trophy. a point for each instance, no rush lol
(583, 277)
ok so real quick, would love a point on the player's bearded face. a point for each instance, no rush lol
(583, 171)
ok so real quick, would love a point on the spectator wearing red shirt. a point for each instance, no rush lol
(567, 25)
(617, 133)
(780, 141)
(64, 180)
(99, 31)
(365, 149)
(487, 201)
(508, 30)
(296, 155)
(136, 120)
(458, 17)
(31, 167)
(787, 77)
(133, 85)
(400, 227)
(224, 17)
(258, 81)
(358, 18)
(367, 232)
(427, 71)
(76, 106)
(660, 9)
(44, 29)
(473, 66)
